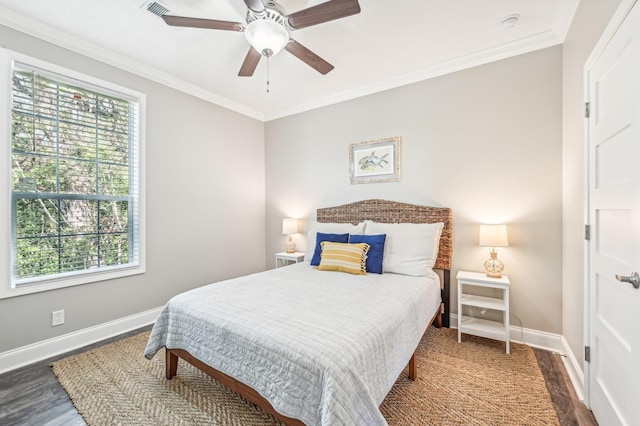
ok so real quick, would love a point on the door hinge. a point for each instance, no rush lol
(587, 109)
(587, 353)
(587, 232)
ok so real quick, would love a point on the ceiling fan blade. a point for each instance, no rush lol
(250, 63)
(255, 5)
(308, 57)
(211, 24)
(324, 12)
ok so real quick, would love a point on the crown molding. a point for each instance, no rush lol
(52, 35)
(564, 18)
(525, 45)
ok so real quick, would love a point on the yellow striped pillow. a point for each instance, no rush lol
(344, 257)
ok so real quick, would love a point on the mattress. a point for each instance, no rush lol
(323, 347)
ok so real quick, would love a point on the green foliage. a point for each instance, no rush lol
(70, 177)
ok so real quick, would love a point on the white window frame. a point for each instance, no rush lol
(7, 285)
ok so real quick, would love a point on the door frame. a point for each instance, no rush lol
(616, 20)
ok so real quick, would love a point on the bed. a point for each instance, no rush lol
(312, 346)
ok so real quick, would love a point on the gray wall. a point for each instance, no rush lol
(590, 20)
(485, 142)
(497, 125)
(205, 206)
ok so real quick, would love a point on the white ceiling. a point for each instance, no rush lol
(390, 43)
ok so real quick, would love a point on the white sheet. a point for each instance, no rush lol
(323, 347)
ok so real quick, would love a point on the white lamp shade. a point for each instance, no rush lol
(266, 36)
(289, 226)
(493, 236)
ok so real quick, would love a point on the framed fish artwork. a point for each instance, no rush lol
(375, 161)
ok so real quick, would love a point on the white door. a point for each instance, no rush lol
(614, 215)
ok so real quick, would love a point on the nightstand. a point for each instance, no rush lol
(284, 258)
(479, 326)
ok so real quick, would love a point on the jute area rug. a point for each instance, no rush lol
(473, 383)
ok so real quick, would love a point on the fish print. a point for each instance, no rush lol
(372, 161)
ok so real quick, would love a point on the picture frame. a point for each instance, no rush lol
(375, 161)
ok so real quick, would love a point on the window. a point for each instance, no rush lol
(75, 179)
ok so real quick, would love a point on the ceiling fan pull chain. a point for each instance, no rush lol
(267, 29)
(267, 74)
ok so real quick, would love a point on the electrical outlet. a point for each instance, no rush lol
(57, 318)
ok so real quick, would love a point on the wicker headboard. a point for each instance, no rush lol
(384, 211)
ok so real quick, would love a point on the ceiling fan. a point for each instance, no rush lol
(267, 29)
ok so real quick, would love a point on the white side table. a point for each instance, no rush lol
(284, 258)
(479, 326)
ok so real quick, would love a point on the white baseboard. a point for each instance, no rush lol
(535, 338)
(38, 351)
(573, 369)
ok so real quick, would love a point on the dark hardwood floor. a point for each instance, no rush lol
(570, 410)
(32, 396)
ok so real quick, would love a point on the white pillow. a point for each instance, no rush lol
(410, 248)
(328, 228)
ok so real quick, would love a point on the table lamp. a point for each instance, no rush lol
(493, 236)
(290, 226)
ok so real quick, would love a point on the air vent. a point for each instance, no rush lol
(156, 8)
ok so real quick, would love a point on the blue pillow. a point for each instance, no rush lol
(376, 250)
(320, 237)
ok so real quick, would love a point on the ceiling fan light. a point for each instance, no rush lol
(266, 36)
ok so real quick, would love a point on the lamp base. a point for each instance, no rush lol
(290, 247)
(490, 275)
(494, 266)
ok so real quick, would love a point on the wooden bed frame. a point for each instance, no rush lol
(379, 211)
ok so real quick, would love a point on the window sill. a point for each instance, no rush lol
(39, 286)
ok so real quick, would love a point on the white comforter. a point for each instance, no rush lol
(323, 347)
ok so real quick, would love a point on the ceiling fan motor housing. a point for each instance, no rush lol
(272, 11)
